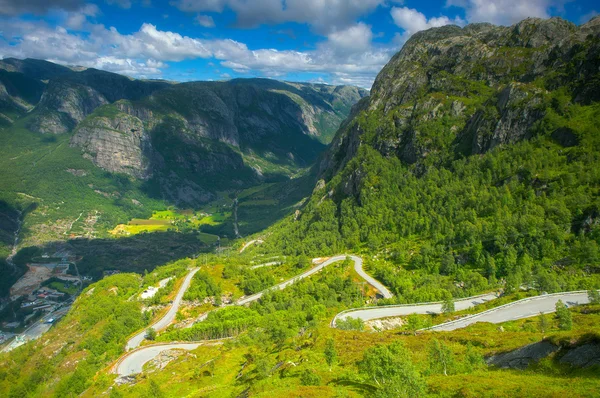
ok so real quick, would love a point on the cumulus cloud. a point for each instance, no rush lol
(323, 15)
(76, 19)
(356, 38)
(38, 7)
(412, 21)
(347, 55)
(505, 12)
(205, 21)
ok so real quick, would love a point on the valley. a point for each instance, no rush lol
(438, 235)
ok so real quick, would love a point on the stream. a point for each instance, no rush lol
(9, 259)
(236, 229)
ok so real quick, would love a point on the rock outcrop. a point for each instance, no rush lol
(63, 105)
(522, 357)
(453, 92)
(118, 144)
(583, 356)
(580, 355)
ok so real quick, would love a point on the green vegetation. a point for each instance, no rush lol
(280, 314)
(150, 334)
(565, 322)
(61, 286)
(392, 369)
(517, 213)
(594, 296)
(469, 177)
(86, 340)
(202, 286)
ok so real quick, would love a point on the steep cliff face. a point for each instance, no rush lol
(455, 91)
(185, 140)
(119, 144)
(63, 105)
(71, 96)
(214, 134)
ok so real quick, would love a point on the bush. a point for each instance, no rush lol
(349, 323)
(565, 321)
(310, 378)
(150, 334)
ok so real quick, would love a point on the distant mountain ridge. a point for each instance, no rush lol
(188, 138)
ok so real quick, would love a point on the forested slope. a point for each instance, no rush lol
(477, 153)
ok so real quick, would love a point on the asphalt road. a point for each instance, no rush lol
(166, 320)
(134, 362)
(369, 313)
(357, 266)
(265, 264)
(36, 330)
(257, 241)
(517, 310)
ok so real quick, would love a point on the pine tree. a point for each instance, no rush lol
(565, 321)
(448, 305)
(594, 296)
(330, 353)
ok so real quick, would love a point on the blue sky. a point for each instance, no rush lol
(331, 41)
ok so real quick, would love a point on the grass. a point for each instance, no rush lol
(188, 375)
(63, 287)
(170, 220)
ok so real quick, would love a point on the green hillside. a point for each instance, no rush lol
(459, 175)
(472, 169)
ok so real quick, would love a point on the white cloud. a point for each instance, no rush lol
(323, 15)
(346, 55)
(505, 12)
(205, 21)
(77, 19)
(356, 38)
(412, 21)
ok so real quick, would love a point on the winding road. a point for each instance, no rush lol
(387, 311)
(166, 320)
(357, 266)
(247, 245)
(133, 361)
(525, 308)
(372, 281)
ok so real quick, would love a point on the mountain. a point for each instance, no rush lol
(477, 151)
(83, 150)
(473, 167)
(199, 134)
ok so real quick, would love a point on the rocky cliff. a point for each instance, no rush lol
(454, 91)
(186, 140)
(214, 134)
